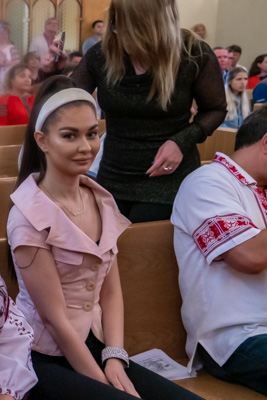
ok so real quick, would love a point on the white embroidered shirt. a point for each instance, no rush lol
(218, 207)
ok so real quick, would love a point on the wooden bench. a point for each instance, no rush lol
(222, 139)
(9, 160)
(12, 134)
(149, 277)
(257, 106)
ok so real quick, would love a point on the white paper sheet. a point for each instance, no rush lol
(158, 361)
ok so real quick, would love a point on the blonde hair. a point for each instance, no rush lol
(230, 97)
(149, 30)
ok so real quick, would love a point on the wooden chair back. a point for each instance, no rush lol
(101, 126)
(149, 278)
(6, 188)
(9, 160)
(250, 94)
(223, 139)
(258, 105)
(12, 134)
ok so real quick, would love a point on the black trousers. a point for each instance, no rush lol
(58, 381)
(143, 212)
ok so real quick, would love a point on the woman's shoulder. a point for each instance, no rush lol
(95, 55)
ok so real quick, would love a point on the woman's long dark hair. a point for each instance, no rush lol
(33, 159)
(254, 69)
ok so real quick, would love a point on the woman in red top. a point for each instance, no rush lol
(258, 71)
(15, 106)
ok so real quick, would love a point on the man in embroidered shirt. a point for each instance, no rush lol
(220, 240)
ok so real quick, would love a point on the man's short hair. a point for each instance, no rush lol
(253, 129)
(96, 22)
(234, 48)
(219, 48)
(49, 20)
(74, 54)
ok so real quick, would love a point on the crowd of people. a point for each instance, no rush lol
(63, 225)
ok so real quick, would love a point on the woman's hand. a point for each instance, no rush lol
(48, 61)
(116, 375)
(167, 160)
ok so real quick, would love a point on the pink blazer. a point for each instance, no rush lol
(35, 220)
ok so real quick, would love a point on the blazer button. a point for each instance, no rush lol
(88, 306)
(90, 286)
(95, 267)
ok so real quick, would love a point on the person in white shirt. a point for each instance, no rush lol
(40, 44)
(17, 376)
(220, 235)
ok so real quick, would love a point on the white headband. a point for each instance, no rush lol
(59, 99)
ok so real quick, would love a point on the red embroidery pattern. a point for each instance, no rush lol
(217, 230)
(259, 196)
(222, 160)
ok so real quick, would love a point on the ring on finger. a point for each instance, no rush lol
(167, 168)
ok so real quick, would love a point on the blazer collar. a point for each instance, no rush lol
(43, 213)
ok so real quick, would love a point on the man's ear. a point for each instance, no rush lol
(40, 139)
(264, 143)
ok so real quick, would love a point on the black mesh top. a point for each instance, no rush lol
(137, 128)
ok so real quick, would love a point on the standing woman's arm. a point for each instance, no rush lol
(39, 273)
(111, 302)
(209, 93)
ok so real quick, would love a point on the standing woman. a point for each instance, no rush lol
(63, 230)
(238, 107)
(147, 72)
(16, 104)
(9, 55)
(258, 71)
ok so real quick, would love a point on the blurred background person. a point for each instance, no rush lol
(258, 71)
(238, 107)
(222, 56)
(16, 104)
(260, 92)
(40, 44)
(98, 29)
(200, 30)
(9, 55)
(74, 57)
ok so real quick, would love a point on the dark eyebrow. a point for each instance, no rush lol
(72, 129)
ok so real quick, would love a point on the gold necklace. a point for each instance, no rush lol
(63, 205)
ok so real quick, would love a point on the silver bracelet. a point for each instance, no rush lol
(115, 352)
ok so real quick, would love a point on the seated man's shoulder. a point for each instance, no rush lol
(202, 176)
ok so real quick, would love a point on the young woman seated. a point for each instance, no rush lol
(63, 230)
(238, 106)
(16, 104)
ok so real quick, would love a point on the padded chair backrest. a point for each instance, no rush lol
(9, 160)
(223, 140)
(12, 134)
(149, 278)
